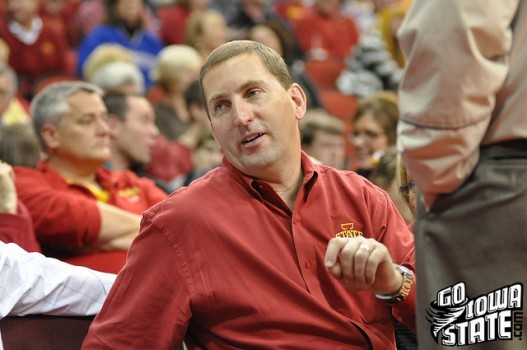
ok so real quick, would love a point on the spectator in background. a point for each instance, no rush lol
(111, 67)
(291, 10)
(390, 19)
(174, 17)
(17, 226)
(369, 69)
(207, 155)
(4, 50)
(63, 15)
(277, 37)
(132, 121)
(92, 13)
(19, 145)
(205, 31)
(172, 158)
(177, 66)
(376, 63)
(12, 108)
(323, 138)
(385, 175)
(374, 130)
(36, 48)
(227, 8)
(119, 77)
(82, 213)
(324, 32)
(124, 25)
(249, 13)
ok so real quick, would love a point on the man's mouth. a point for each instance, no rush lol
(251, 138)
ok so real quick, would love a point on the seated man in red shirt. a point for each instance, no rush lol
(82, 213)
(268, 251)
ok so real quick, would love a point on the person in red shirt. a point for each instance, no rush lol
(324, 32)
(83, 214)
(36, 47)
(173, 19)
(269, 251)
(17, 226)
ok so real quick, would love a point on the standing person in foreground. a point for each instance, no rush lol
(246, 256)
(463, 136)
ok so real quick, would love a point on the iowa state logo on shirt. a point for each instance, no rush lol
(130, 193)
(348, 231)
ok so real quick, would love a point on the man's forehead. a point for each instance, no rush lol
(77, 102)
(255, 71)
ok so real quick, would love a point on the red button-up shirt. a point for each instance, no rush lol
(66, 215)
(227, 263)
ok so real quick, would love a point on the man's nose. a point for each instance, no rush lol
(103, 126)
(243, 113)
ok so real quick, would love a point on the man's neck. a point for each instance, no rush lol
(81, 173)
(287, 183)
(119, 162)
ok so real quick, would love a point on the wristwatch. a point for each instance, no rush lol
(402, 293)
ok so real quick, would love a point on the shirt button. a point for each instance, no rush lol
(308, 264)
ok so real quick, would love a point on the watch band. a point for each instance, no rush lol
(402, 293)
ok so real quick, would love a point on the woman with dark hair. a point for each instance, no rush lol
(125, 26)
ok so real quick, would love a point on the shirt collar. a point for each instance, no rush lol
(105, 178)
(255, 186)
(27, 36)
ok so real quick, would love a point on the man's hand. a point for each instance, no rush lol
(363, 264)
(8, 196)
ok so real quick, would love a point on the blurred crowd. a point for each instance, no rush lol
(130, 69)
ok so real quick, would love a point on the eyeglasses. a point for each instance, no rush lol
(406, 189)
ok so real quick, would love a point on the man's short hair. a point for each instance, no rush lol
(271, 60)
(50, 105)
(117, 103)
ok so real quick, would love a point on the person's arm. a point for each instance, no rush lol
(148, 290)
(118, 227)
(457, 59)
(69, 219)
(31, 283)
(369, 263)
(363, 264)
(8, 196)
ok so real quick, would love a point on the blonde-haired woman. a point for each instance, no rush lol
(176, 68)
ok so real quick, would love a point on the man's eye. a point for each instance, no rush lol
(85, 120)
(253, 92)
(218, 107)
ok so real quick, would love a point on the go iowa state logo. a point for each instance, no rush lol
(458, 320)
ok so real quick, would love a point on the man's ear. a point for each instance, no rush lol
(299, 99)
(50, 136)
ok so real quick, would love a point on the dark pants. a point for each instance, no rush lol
(472, 251)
